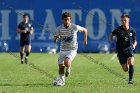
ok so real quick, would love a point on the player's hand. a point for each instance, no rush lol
(133, 46)
(56, 38)
(85, 42)
(28, 32)
(24, 31)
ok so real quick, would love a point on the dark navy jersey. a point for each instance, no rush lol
(27, 27)
(124, 38)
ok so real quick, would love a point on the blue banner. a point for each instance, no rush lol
(100, 17)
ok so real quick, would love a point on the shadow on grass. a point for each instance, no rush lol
(28, 85)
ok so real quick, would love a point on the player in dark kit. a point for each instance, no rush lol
(125, 44)
(25, 29)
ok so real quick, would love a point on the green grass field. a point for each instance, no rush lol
(86, 75)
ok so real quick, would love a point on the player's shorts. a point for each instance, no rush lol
(124, 55)
(66, 54)
(25, 43)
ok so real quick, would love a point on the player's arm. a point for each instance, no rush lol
(56, 37)
(85, 36)
(134, 40)
(113, 33)
(134, 44)
(111, 37)
(21, 31)
(84, 30)
(31, 30)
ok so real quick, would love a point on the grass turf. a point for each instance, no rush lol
(90, 73)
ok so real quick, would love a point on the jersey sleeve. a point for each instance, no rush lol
(20, 26)
(79, 28)
(134, 35)
(30, 25)
(114, 32)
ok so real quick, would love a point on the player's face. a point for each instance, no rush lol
(25, 18)
(67, 21)
(125, 21)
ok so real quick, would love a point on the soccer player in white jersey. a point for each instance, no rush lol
(67, 32)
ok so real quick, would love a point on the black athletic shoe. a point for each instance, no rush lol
(26, 61)
(21, 62)
(130, 82)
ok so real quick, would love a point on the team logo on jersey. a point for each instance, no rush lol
(68, 39)
(29, 25)
(130, 34)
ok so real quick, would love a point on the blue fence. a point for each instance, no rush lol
(100, 17)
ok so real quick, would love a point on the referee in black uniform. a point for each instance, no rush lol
(25, 29)
(125, 45)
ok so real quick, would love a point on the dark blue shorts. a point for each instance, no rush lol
(25, 43)
(123, 55)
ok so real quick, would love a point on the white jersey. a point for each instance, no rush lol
(68, 36)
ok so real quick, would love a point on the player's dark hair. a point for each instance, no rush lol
(125, 15)
(25, 14)
(66, 14)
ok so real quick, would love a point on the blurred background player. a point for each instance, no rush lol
(25, 29)
(67, 32)
(125, 44)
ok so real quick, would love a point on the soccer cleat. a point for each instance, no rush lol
(26, 60)
(130, 82)
(63, 84)
(58, 82)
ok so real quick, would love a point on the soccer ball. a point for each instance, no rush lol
(58, 82)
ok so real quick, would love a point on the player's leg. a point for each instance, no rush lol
(61, 66)
(131, 68)
(28, 50)
(123, 61)
(61, 71)
(67, 63)
(130, 59)
(22, 48)
(68, 60)
(125, 67)
(22, 54)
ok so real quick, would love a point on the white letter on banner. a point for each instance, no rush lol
(5, 24)
(20, 18)
(49, 25)
(102, 24)
(116, 15)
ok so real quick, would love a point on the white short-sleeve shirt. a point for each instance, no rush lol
(68, 36)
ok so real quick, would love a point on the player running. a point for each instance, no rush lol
(67, 32)
(125, 44)
(25, 29)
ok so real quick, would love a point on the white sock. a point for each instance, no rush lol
(62, 76)
(26, 57)
(22, 59)
(68, 69)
